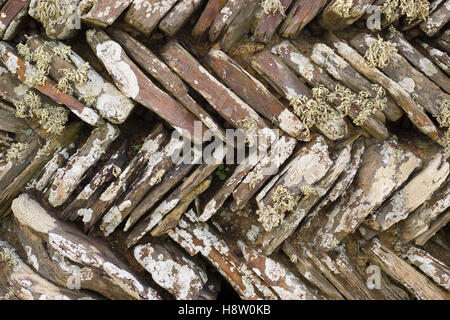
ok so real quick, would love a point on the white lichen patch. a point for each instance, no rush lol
(253, 233)
(129, 283)
(74, 251)
(30, 213)
(180, 277)
(111, 55)
(86, 214)
(350, 211)
(49, 170)
(111, 220)
(416, 192)
(102, 95)
(276, 275)
(428, 67)
(408, 84)
(11, 62)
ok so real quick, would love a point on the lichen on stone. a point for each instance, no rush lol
(444, 121)
(158, 176)
(444, 114)
(271, 216)
(368, 102)
(390, 9)
(44, 151)
(88, 100)
(412, 9)
(30, 101)
(9, 295)
(51, 118)
(78, 77)
(380, 53)
(342, 95)
(308, 190)
(250, 127)
(116, 171)
(342, 7)
(42, 60)
(15, 152)
(8, 256)
(47, 9)
(283, 200)
(447, 141)
(272, 6)
(315, 110)
(24, 51)
(63, 51)
(415, 9)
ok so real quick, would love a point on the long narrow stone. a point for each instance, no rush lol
(300, 14)
(179, 15)
(253, 92)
